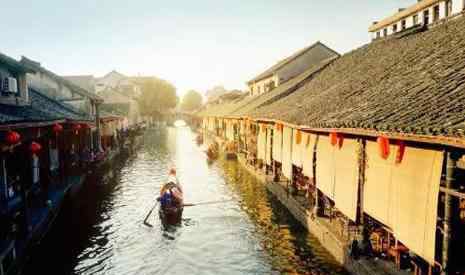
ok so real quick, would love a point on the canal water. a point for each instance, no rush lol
(101, 230)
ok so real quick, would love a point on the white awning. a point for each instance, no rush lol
(296, 148)
(404, 196)
(261, 143)
(287, 152)
(307, 146)
(277, 145)
(268, 156)
(337, 174)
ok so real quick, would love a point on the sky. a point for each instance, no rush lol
(194, 44)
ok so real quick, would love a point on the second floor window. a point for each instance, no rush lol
(415, 19)
(385, 32)
(426, 17)
(435, 13)
(448, 8)
(403, 24)
(394, 28)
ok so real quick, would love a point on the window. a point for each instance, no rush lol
(448, 8)
(415, 19)
(394, 28)
(426, 17)
(272, 85)
(436, 13)
(403, 24)
(385, 32)
(35, 169)
(378, 34)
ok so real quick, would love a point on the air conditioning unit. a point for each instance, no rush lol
(10, 85)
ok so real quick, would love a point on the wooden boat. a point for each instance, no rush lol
(212, 151)
(171, 211)
(212, 154)
(199, 140)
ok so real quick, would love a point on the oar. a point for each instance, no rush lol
(150, 213)
(205, 203)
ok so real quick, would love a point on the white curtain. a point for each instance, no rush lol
(346, 177)
(307, 145)
(296, 149)
(404, 196)
(337, 174)
(277, 145)
(268, 146)
(261, 143)
(287, 153)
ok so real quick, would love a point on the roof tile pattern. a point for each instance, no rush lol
(413, 85)
(41, 109)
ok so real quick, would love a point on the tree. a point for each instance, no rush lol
(158, 96)
(192, 100)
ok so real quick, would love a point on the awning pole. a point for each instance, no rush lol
(451, 168)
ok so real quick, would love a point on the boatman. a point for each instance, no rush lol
(171, 192)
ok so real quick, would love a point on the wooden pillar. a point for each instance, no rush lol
(361, 180)
(314, 162)
(97, 125)
(3, 183)
(451, 168)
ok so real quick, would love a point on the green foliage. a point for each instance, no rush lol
(121, 109)
(192, 100)
(158, 96)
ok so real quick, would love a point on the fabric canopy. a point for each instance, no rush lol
(261, 143)
(296, 149)
(346, 177)
(404, 196)
(268, 156)
(337, 174)
(307, 146)
(287, 153)
(277, 145)
(325, 166)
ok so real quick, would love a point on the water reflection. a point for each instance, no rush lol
(250, 233)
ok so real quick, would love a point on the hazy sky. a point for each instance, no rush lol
(195, 44)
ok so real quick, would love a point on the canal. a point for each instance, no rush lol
(101, 230)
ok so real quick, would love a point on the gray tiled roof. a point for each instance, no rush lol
(270, 71)
(41, 109)
(411, 85)
(33, 65)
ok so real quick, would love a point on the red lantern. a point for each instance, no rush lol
(76, 128)
(400, 151)
(12, 137)
(57, 128)
(298, 137)
(340, 140)
(35, 148)
(333, 137)
(383, 143)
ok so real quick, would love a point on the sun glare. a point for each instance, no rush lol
(179, 123)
